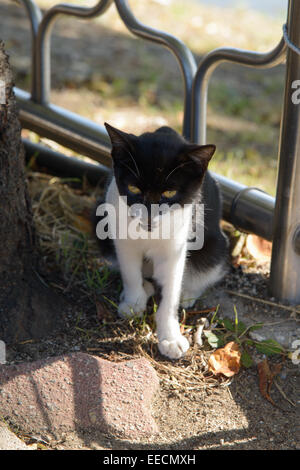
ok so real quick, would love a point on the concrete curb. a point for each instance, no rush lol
(79, 392)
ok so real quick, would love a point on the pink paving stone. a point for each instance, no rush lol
(79, 392)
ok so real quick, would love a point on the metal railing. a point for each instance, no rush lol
(248, 208)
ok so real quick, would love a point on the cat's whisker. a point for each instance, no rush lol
(176, 168)
(137, 169)
(130, 169)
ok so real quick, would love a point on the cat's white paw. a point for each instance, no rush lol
(174, 349)
(133, 306)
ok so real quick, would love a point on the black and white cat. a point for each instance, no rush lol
(150, 170)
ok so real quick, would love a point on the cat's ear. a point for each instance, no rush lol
(199, 154)
(119, 139)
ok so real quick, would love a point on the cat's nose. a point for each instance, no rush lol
(153, 222)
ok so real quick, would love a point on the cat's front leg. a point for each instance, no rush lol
(133, 299)
(168, 271)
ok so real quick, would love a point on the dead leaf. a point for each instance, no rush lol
(83, 224)
(225, 360)
(266, 376)
(102, 312)
(259, 248)
(182, 323)
(237, 250)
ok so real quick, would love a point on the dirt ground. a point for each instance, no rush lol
(192, 409)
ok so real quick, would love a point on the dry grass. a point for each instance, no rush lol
(189, 373)
(62, 220)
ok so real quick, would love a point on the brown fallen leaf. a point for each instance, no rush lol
(225, 360)
(102, 312)
(266, 376)
(259, 248)
(182, 323)
(83, 224)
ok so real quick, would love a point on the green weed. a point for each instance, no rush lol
(224, 330)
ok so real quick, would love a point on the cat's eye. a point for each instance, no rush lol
(133, 189)
(169, 194)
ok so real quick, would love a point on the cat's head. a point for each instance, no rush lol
(158, 167)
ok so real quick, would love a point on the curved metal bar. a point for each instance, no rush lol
(208, 65)
(42, 44)
(34, 13)
(35, 17)
(180, 50)
(61, 164)
(67, 128)
(253, 211)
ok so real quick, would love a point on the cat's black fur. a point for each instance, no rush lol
(163, 160)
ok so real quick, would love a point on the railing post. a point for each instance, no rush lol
(285, 266)
(35, 17)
